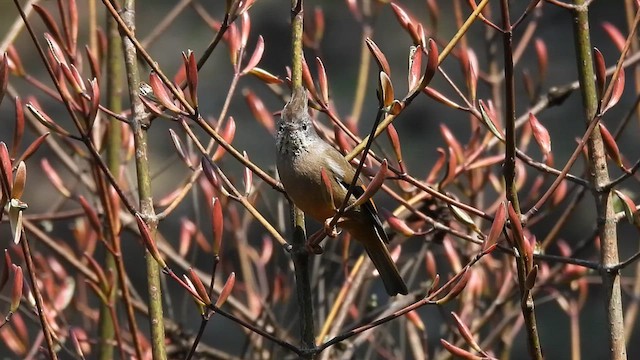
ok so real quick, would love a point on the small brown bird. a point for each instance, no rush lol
(301, 156)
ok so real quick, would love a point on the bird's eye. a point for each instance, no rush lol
(304, 127)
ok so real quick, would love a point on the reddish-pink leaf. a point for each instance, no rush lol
(18, 131)
(430, 264)
(627, 203)
(465, 332)
(459, 352)
(308, 80)
(401, 15)
(73, 26)
(394, 138)
(414, 318)
(19, 181)
(415, 68)
(226, 290)
(245, 29)
(318, 16)
(452, 166)
(259, 111)
(472, 74)
(396, 224)
(601, 72)
(31, 149)
(256, 57)
(618, 89)
(15, 64)
(199, 286)
(227, 134)
(528, 84)
(151, 106)
(265, 76)
(187, 228)
(4, 76)
(541, 134)
(407, 23)
(161, 93)
(149, 242)
(6, 269)
(217, 223)
(383, 64)
(323, 82)
(209, 172)
(497, 226)
(542, 57)
(437, 96)
(442, 157)
(385, 90)
(5, 170)
(530, 281)
(95, 100)
(610, 145)
(79, 347)
(374, 185)
(341, 140)
(55, 50)
(452, 142)
(615, 35)
(458, 287)
(516, 226)
(560, 193)
(57, 182)
(182, 151)
(77, 78)
(49, 22)
(191, 72)
(16, 292)
(247, 176)
(488, 117)
(91, 214)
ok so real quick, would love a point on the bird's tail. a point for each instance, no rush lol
(379, 254)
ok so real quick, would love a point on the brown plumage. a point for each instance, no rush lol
(301, 156)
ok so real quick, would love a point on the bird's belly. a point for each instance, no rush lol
(306, 191)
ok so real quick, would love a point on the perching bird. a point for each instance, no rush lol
(301, 156)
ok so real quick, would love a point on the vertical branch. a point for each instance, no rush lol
(599, 178)
(114, 91)
(114, 75)
(156, 319)
(297, 14)
(631, 313)
(524, 267)
(300, 255)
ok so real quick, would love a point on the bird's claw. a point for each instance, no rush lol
(330, 229)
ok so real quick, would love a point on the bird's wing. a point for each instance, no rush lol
(368, 208)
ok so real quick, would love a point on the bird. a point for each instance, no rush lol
(302, 155)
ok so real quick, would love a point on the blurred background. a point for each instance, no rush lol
(418, 126)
